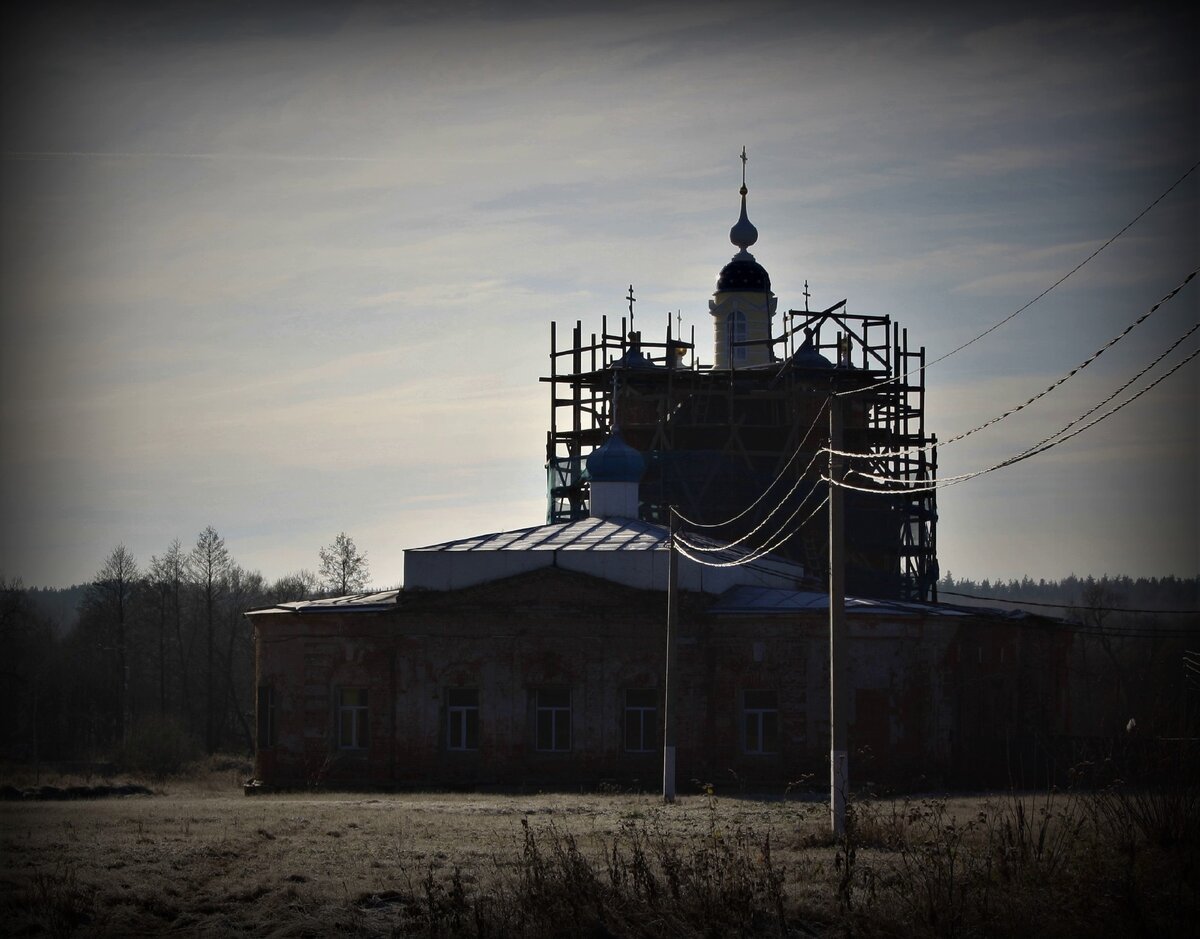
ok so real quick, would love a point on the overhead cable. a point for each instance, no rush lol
(1096, 407)
(795, 453)
(1018, 312)
(761, 525)
(754, 556)
(1024, 455)
(1062, 606)
(1020, 407)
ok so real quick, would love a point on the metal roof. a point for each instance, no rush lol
(752, 599)
(358, 602)
(587, 534)
(624, 550)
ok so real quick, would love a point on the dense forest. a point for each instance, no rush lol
(158, 656)
(1072, 596)
(150, 662)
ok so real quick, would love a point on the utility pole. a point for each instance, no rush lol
(669, 677)
(839, 772)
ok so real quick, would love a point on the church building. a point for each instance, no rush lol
(535, 658)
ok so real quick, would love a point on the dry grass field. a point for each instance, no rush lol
(198, 857)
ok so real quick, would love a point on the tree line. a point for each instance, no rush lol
(164, 642)
(1075, 596)
(159, 644)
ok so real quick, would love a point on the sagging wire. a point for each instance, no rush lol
(1037, 449)
(1020, 407)
(1018, 312)
(760, 552)
(761, 525)
(795, 453)
(1064, 606)
(1096, 407)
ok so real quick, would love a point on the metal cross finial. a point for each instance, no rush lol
(632, 300)
(743, 170)
(806, 296)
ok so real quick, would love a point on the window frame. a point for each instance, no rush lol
(646, 717)
(560, 720)
(359, 715)
(463, 718)
(764, 718)
(738, 330)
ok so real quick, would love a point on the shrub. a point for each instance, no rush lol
(159, 746)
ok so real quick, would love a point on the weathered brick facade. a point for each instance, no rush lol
(753, 690)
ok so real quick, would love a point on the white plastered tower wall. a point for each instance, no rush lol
(758, 308)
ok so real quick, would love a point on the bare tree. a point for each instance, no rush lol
(110, 596)
(343, 569)
(28, 674)
(166, 577)
(246, 590)
(209, 564)
(296, 586)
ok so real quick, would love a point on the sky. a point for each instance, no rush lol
(289, 269)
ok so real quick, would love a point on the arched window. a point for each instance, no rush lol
(735, 326)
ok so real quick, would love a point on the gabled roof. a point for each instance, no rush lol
(623, 550)
(588, 534)
(359, 602)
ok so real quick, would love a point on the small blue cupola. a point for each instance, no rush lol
(615, 469)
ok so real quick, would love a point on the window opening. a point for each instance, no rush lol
(352, 719)
(553, 719)
(760, 720)
(462, 719)
(736, 324)
(641, 720)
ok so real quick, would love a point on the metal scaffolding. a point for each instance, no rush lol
(716, 440)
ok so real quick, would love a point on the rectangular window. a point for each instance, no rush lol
(760, 721)
(352, 719)
(266, 716)
(553, 719)
(462, 719)
(641, 720)
(736, 324)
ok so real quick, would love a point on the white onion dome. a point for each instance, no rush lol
(615, 462)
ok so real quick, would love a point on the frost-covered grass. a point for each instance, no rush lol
(200, 857)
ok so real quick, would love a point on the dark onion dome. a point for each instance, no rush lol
(615, 462)
(743, 273)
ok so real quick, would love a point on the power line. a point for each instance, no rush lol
(1061, 606)
(681, 545)
(877, 454)
(1024, 455)
(795, 453)
(1018, 312)
(1086, 414)
(761, 525)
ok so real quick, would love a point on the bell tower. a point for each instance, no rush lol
(743, 304)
